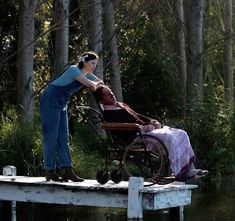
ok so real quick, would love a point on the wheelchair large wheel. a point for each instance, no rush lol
(146, 157)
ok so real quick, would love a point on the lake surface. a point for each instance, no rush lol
(212, 201)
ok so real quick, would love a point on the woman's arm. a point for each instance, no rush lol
(88, 83)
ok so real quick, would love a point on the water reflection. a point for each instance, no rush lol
(213, 201)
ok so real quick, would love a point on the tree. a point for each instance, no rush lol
(25, 95)
(228, 52)
(194, 19)
(61, 43)
(95, 31)
(113, 60)
(94, 25)
(182, 63)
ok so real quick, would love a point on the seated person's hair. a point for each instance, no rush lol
(98, 94)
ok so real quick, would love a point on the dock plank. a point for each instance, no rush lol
(92, 184)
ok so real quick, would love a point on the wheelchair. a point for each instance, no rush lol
(127, 149)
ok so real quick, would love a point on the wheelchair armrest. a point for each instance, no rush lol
(121, 126)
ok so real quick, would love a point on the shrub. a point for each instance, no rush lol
(20, 143)
(211, 131)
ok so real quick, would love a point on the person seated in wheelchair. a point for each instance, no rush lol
(180, 153)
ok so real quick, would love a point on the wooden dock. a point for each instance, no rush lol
(131, 195)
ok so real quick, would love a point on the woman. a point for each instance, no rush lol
(54, 116)
(181, 155)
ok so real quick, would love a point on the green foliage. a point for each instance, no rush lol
(148, 61)
(86, 163)
(86, 138)
(148, 95)
(87, 151)
(211, 130)
(150, 82)
(20, 144)
(8, 46)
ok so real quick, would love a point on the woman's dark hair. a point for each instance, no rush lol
(87, 56)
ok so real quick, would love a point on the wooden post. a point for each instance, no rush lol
(181, 213)
(10, 171)
(135, 207)
(177, 213)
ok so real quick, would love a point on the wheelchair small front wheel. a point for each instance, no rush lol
(117, 175)
(102, 176)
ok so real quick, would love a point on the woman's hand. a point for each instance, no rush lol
(99, 82)
(96, 84)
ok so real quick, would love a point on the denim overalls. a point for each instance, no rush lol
(54, 117)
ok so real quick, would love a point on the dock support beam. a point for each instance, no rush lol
(9, 206)
(177, 213)
(135, 208)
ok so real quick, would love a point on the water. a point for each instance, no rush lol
(212, 201)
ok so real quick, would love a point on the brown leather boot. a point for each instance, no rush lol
(52, 175)
(68, 174)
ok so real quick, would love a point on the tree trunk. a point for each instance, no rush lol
(61, 44)
(95, 31)
(114, 68)
(228, 52)
(195, 50)
(94, 12)
(182, 63)
(25, 77)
